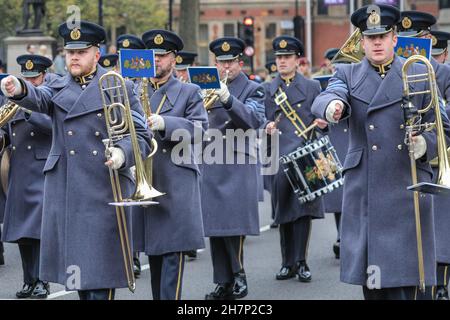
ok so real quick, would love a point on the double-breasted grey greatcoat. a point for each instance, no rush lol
(80, 238)
(378, 225)
(230, 190)
(175, 224)
(301, 93)
(29, 139)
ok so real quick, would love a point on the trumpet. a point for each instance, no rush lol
(119, 124)
(413, 124)
(211, 95)
(351, 51)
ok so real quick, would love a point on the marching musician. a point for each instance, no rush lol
(378, 239)
(184, 60)
(80, 244)
(175, 225)
(228, 213)
(294, 218)
(418, 24)
(127, 42)
(29, 136)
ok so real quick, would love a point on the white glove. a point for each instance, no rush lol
(116, 156)
(223, 93)
(15, 82)
(156, 122)
(419, 147)
(331, 109)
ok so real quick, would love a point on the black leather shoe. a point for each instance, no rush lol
(285, 273)
(273, 225)
(41, 290)
(441, 293)
(26, 291)
(337, 249)
(223, 291)
(303, 273)
(136, 267)
(191, 254)
(240, 289)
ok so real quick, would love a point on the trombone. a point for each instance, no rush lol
(413, 124)
(119, 124)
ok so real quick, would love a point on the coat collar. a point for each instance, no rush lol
(296, 87)
(390, 91)
(171, 89)
(237, 86)
(90, 99)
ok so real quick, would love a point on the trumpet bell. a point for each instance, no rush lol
(351, 51)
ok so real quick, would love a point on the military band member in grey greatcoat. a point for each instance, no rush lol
(378, 238)
(229, 190)
(28, 136)
(127, 42)
(178, 119)
(80, 243)
(294, 218)
(418, 24)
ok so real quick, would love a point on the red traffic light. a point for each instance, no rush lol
(248, 21)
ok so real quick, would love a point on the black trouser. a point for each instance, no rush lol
(97, 294)
(227, 254)
(166, 273)
(294, 241)
(442, 277)
(29, 253)
(401, 293)
(1, 243)
(337, 218)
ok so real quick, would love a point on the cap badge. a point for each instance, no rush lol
(126, 43)
(226, 47)
(158, 39)
(406, 23)
(29, 65)
(283, 44)
(75, 34)
(374, 18)
(179, 59)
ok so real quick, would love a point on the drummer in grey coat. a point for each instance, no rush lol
(294, 218)
(80, 245)
(418, 24)
(28, 136)
(378, 238)
(178, 119)
(230, 190)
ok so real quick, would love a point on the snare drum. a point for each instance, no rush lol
(313, 169)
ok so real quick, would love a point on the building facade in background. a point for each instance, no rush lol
(330, 25)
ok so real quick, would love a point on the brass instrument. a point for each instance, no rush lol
(148, 162)
(119, 124)
(413, 124)
(300, 128)
(351, 51)
(7, 112)
(211, 96)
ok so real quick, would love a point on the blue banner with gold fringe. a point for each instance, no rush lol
(409, 46)
(137, 63)
(204, 77)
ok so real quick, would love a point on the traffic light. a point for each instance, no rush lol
(248, 32)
